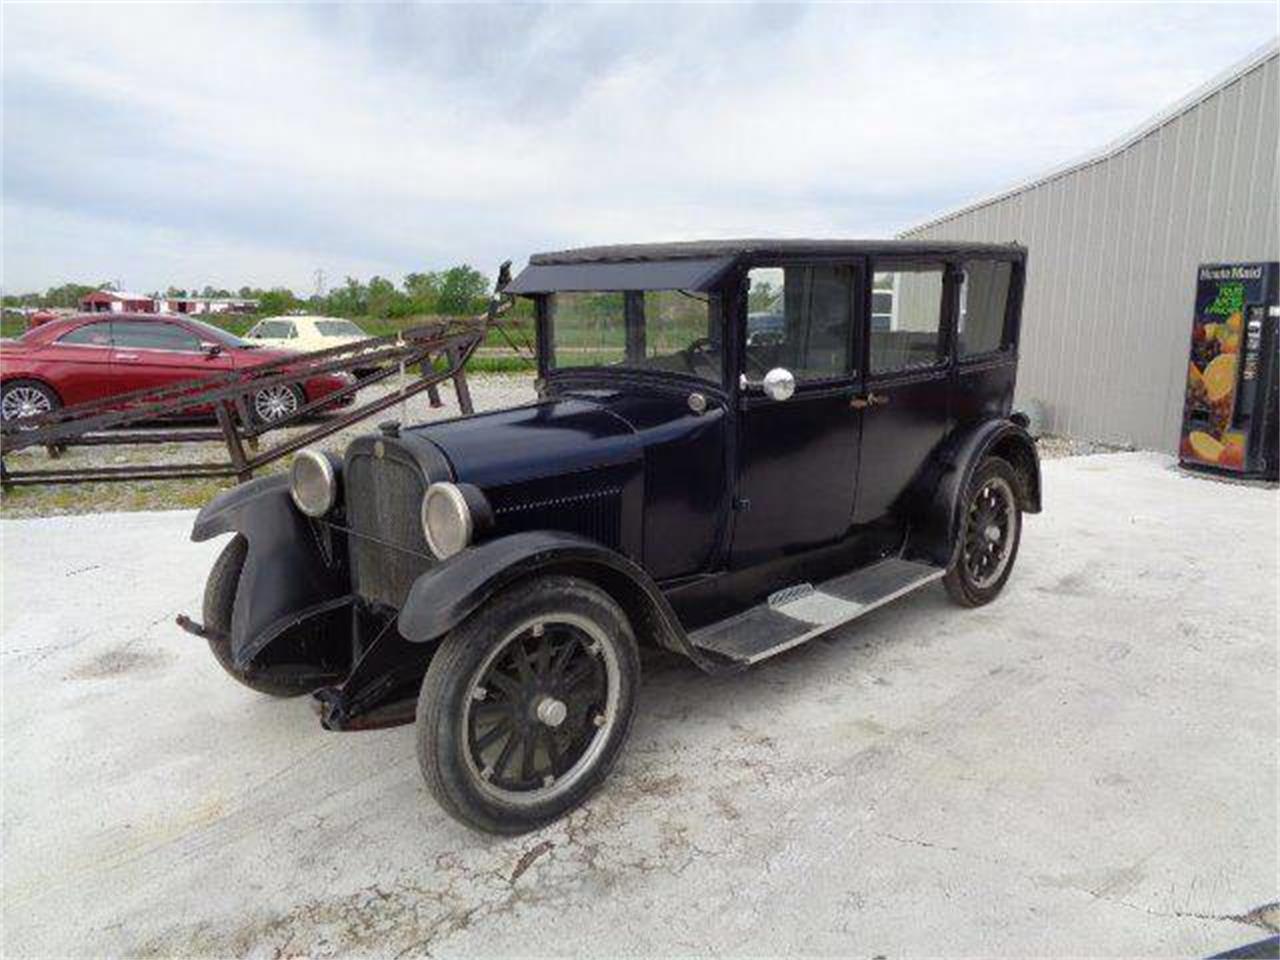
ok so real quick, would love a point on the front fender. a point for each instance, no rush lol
(292, 569)
(450, 592)
(938, 509)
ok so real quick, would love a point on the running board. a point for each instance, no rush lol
(792, 616)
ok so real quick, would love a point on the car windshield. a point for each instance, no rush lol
(675, 331)
(338, 328)
(217, 334)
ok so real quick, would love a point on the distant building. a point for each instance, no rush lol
(117, 301)
(1114, 240)
(194, 305)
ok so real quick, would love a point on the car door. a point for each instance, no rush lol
(905, 403)
(797, 457)
(78, 363)
(156, 353)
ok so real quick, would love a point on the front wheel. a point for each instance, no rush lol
(26, 398)
(219, 604)
(527, 704)
(989, 535)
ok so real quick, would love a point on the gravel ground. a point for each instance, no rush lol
(488, 392)
(1087, 767)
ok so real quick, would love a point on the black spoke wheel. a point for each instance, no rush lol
(526, 705)
(989, 535)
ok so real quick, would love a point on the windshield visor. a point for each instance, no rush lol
(672, 331)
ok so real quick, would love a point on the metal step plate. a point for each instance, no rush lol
(799, 613)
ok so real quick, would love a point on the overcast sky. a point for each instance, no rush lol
(185, 145)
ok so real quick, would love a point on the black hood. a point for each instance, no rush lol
(553, 438)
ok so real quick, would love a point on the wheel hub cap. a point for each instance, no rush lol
(551, 711)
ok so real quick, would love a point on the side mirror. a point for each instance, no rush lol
(779, 384)
(212, 349)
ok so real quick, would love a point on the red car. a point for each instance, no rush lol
(90, 356)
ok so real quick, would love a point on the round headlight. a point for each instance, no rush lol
(312, 483)
(446, 519)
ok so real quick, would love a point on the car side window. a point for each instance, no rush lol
(800, 318)
(984, 295)
(89, 335)
(906, 318)
(144, 335)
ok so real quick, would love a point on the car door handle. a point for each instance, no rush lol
(126, 356)
(870, 400)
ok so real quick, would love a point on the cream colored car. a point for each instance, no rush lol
(304, 333)
(307, 334)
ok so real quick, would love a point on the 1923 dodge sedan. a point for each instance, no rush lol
(736, 447)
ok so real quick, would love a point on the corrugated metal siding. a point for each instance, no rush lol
(1113, 250)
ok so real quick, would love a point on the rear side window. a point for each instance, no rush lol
(90, 335)
(338, 328)
(800, 318)
(153, 336)
(984, 294)
(906, 318)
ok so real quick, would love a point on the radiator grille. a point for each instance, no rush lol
(387, 546)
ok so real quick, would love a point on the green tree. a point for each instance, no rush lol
(463, 289)
(383, 297)
(423, 291)
(349, 300)
(276, 301)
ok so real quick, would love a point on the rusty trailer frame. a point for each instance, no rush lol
(100, 422)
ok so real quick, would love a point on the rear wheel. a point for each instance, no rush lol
(527, 704)
(26, 398)
(989, 535)
(219, 602)
(277, 402)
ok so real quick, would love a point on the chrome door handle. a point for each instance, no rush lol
(870, 400)
(126, 356)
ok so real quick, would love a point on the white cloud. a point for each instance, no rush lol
(252, 144)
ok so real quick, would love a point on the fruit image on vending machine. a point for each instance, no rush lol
(1230, 415)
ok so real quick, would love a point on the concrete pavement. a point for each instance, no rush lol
(1086, 767)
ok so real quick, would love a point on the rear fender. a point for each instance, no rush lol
(447, 594)
(293, 569)
(937, 506)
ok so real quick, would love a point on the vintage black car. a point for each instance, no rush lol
(685, 480)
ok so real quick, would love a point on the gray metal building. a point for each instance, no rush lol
(1114, 241)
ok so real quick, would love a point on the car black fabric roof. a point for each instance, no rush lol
(706, 249)
(699, 264)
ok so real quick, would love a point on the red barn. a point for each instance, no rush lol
(117, 301)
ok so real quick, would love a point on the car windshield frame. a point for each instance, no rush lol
(630, 332)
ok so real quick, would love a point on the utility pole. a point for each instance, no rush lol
(319, 283)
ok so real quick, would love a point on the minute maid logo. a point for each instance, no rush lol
(1253, 272)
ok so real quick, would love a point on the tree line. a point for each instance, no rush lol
(456, 291)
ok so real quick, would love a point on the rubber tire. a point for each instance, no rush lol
(441, 725)
(298, 393)
(219, 602)
(959, 586)
(55, 402)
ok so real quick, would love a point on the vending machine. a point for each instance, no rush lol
(1231, 413)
